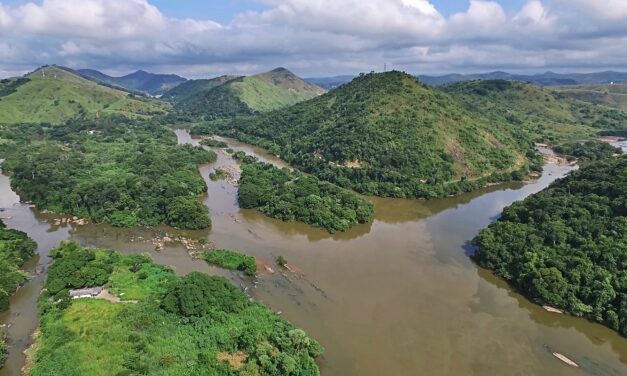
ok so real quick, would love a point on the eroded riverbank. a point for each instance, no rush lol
(397, 296)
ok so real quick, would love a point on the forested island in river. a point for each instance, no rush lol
(352, 190)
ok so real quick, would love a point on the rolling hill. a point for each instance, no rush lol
(151, 83)
(191, 88)
(54, 95)
(541, 79)
(608, 95)
(249, 95)
(387, 134)
(546, 116)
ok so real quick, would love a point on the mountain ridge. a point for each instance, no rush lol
(140, 80)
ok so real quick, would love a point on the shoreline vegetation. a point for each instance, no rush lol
(566, 246)
(113, 170)
(290, 195)
(196, 324)
(231, 260)
(15, 249)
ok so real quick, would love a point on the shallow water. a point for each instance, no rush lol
(399, 296)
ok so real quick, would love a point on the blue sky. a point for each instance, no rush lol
(197, 38)
(224, 10)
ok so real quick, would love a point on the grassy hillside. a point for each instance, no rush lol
(54, 95)
(249, 95)
(608, 95)
(544, 115)
(387, 134)
(191, 88)
(165, 325)
(567, 245)
(141, 81)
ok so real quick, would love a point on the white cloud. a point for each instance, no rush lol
(316, 36)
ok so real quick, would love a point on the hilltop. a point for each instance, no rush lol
(249, 95)
(191, 88)
(544, 115)
(54, 95)
(387, 134)
(151, 83)
(614, 95)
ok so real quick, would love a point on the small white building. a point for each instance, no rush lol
(90, 292)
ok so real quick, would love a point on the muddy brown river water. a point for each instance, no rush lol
(399, 296)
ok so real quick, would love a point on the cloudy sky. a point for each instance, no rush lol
(197, 38)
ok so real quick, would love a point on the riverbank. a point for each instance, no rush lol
(396, 296)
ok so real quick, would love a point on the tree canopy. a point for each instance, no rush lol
(114, 170)
(567, 245)
(388, 135)
(290, 195)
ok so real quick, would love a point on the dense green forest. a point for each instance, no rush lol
(290, 195)
(567, 245)
(114, 170)
(389, 135)
(231, 260)
(544, 115)
(588, 150)
(192, 325)
(15, 248)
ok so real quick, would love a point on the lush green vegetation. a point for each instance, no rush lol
(289, 195)
(231, 260)
(192, 325)
(608, 95)
(114, 170)
(191, 88)
(544, 115)
(214, 143)
(588, 150)
(245, 95)
(388, 135)
(15, 248)
(61, 95)
(567, 245)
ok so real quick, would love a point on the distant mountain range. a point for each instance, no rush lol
(542, 79)
(151, 83)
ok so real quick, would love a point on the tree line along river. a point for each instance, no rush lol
(398, 296)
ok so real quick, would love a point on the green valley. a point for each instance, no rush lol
(55, 95)
(191, 325)
(542, 114)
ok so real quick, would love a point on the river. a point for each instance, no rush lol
(398, 296)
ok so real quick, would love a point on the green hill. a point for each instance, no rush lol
(249, 95)
(545, 115)
(387, 134)
(608, 95)
(567, 245)
(54, 95)
(191, 88)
